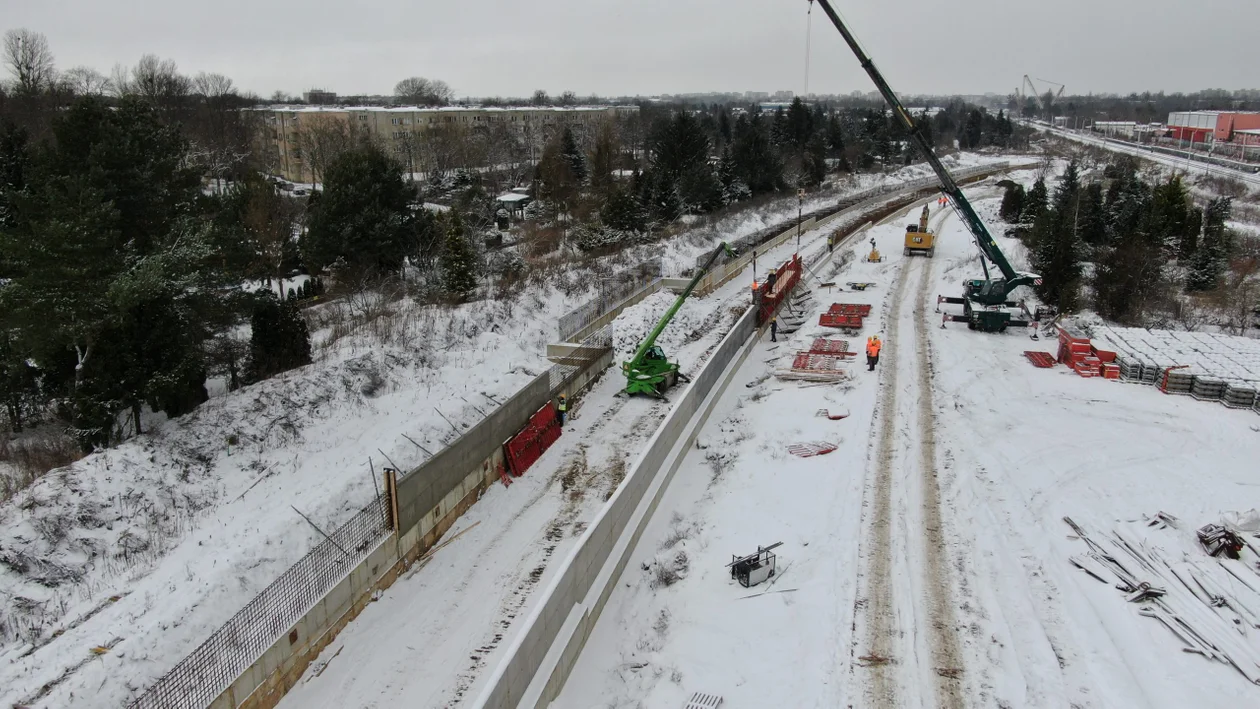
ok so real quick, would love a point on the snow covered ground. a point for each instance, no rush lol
(925, 561)
(148, 547)
(428, 639)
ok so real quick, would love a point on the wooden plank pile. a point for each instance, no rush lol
(1211, 605)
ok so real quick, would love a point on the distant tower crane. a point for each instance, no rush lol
(1041, 102)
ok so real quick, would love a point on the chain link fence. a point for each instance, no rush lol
(210, 669)
(612, 291)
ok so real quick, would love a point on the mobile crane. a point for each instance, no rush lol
(650, 372)
(984, 301)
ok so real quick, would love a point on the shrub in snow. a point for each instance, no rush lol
(279, 339)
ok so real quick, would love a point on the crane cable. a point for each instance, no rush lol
(809, 21)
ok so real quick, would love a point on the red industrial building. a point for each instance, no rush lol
(1214, 126)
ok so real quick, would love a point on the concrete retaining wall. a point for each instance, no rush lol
(433, 497)
(539, 661)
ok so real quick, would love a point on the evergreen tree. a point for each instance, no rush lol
(1092, 222)
(604, 160)
(572, 155)
(1169, 216)
(363, 218)
(1190, 241)
(279, 340)
(624, 212)
(1012, 203)
(19, 383)
(973, 131)
(459, 260)
(1035, 204)
(1211, 258)
(814, 168)
(1056, 246)
(798, 127)
(756, 162)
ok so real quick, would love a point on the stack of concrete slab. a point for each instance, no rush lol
(1207, 366)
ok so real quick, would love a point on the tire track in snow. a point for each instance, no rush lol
(947, 662)
(874, 610)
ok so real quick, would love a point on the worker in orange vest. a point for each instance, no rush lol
(873, 346)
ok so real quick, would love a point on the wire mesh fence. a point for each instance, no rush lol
(612, 291)
(211, 668)
(592, 348)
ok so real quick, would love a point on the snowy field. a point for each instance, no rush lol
(925, 562)
(144, 549)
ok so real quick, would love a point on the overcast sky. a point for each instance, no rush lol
(625, 47)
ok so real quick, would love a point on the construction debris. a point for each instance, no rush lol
(1044, 360)
(827, 414)
(811, 448)
(700, 700)
(1217, 540)
(753, 569)
(1209, 605)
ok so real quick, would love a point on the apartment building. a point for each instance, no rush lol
(283, 126)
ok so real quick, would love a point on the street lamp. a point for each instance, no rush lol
(800, 197)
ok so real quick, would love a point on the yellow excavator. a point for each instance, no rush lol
(918, 239)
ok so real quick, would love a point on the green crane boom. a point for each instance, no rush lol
(992, 291)
(649, 371)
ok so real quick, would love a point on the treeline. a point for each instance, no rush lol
(696, 161)
(1145, 107)
(1121, 245)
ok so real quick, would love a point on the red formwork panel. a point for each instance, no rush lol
(848, 322)
(786, 278)
(860, 309)
(1045, 360)
(525, 448)
(823, 346)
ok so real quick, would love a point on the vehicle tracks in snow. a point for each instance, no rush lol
(886, 652)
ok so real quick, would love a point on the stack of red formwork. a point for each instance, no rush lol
(1088, 366)
(1079, 354)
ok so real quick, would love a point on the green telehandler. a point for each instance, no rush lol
(650, 372)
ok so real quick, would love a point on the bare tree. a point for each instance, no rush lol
(321, 138)
(159, 81)
(30, 61)
(270, 220)
(213, 86)
(568, 98)
(120, 81)
(424, 92)
(541, 98)
(85, 81)
(279, 96)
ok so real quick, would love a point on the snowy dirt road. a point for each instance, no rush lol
(904, 615)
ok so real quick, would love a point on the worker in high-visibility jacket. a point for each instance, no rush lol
(873, 346)
(562, 409)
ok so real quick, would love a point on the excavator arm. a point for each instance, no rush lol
(984, 240)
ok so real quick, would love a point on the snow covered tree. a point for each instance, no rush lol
(814, 170)
(459, 260)
(1036, 201)
(363, 217)
(1056, 246)
(756, 162)
(1012, 203)
(1210, 260)
(572, 154)
(604, 159)
(1092, 220)
(623, 211)
(279, 339)
(1168, 216)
